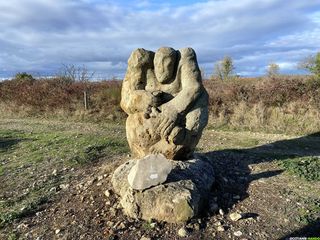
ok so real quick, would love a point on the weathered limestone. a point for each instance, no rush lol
(166, 102)
(167, 109)
(180, 198)
(149, 171)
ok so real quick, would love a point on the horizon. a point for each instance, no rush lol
(38, 36)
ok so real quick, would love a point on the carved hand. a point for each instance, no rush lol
(168, 120)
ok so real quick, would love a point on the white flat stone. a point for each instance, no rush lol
(149, 171)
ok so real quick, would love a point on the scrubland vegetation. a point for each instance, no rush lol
(59, 98)
(283, 104)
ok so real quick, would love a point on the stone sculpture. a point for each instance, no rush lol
(166, 103)
(167, 109)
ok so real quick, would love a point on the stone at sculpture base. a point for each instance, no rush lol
(179, 199)
(149, 171)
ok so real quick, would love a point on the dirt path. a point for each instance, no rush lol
(250, 180)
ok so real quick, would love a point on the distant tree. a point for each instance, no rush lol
(311, 64)
(273, 70)
(70, 73)
(224, 69)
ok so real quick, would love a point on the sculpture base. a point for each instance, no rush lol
(179, 199)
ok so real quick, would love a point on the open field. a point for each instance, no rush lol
(54, 173)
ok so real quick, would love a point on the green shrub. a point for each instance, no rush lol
(23, 76)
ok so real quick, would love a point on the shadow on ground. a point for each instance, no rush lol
(311, 230)
(234, 174)
(7, 143)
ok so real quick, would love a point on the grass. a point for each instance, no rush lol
(30, 207)
(13, 236)
(30, 150)
(69, 148)
(311, 213)
(291, 118)
(307, 168)
(297, 155)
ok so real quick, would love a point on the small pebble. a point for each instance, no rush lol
(107, 193)
(153, 225)
(196, 226)
(64, 186)
(221, 212)
(122, 226)
(220, 229)
(110, 224)
(235, 216)
(22, 225)
(145, 238)
(218, 223)
(183, 232)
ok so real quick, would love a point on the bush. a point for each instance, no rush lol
(311, 64)
(23, 77)
(48, 96)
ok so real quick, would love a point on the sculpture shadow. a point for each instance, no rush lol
(233, 173)
(8, 143)
(311, 230)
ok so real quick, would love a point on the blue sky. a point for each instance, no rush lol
(38, 36)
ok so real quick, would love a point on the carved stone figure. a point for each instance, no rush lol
(166, 103)
(167, 109)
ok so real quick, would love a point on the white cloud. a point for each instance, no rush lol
(287, 65)
(39, 35)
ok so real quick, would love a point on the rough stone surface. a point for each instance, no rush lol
(179, 199)
(149, 171)
(220, 229)
(182, 232)
(166, 103)
(237, 233)
(235, 216)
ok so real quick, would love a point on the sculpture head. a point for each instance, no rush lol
(164, 64)
(141, 58)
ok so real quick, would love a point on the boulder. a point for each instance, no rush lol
(149, 171)
(181, 197)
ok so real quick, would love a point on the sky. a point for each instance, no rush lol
(40, 36)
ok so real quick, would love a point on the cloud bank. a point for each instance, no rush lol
(39, 36)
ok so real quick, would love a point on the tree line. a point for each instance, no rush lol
(224, 69)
